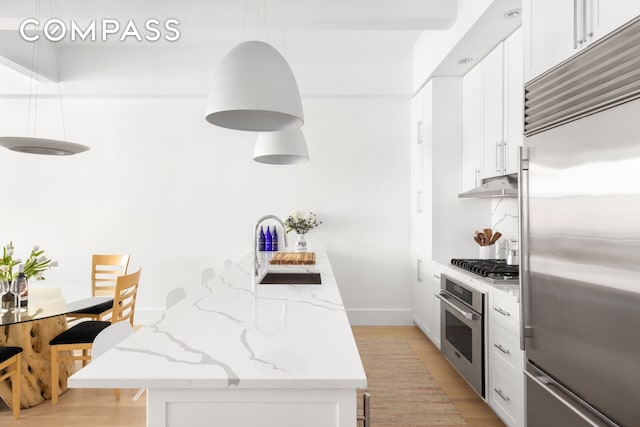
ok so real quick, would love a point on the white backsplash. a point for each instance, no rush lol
(504, 218)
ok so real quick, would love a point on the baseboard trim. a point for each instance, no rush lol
(380, 317)
(357, 316)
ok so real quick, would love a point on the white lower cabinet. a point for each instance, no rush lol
(505, 396)
(505, 391)
(432, 305)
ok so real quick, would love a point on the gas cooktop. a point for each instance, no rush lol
(495, 270)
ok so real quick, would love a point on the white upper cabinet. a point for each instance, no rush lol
(555, 30)
(472, 128)
(611, 14)
(493, 96)
(493, 104)
(513, 100)
(548, 34)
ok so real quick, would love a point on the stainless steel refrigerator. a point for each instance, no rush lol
(580, 234)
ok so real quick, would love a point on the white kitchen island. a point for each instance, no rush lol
(234, 353)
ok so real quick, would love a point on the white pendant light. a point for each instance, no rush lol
(52, 147)
(32, 144)
(254, 89)
(281, 148)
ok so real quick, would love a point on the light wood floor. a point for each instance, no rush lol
(473, 409)
(97, 408)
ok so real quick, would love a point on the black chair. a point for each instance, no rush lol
(10, 360)
(82, 335)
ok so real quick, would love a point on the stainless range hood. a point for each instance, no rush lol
(497, 186)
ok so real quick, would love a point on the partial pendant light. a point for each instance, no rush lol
(254, 89)
(37, 145)
(51, 147)
(286, 147)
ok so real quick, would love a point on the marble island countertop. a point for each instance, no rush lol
(234, 333)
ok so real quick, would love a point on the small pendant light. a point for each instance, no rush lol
(254, 89)
(281, 148)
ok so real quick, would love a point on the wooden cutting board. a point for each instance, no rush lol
(294, 258)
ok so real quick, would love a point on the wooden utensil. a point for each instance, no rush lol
(495, 237)
(482, 239)
(488, 232)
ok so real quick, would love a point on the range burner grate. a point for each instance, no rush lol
(496, 269)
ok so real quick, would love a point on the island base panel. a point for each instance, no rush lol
(249, 408)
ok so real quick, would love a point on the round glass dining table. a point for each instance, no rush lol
(32, 329)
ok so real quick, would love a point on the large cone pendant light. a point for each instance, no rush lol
(254, 89)
(281, 148)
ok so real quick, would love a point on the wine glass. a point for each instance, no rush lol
(16, 289)
(4, 289)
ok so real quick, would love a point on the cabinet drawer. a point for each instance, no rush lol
(504, 311)
(506, 394)
(505, 347)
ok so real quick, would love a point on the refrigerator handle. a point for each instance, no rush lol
(523, 214)
(545, 383)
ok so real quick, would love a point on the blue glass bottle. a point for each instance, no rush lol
(268, 241)
(261, 240)
(274, 239)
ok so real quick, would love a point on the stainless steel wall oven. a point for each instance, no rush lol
(462, 330)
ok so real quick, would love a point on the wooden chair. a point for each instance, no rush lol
(82, 335)
(105, 269)
(10, 360)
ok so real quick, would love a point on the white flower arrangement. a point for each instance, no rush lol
(301, 223)
(34, 267)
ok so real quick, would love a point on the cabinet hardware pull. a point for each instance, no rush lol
(498, 143)
(419, 270)
(575, 24)
(523, 209)
(501, 394)
(502, 349)
(419, 201)
(419, 132)
(584, 21)
(477, 176)
(366, 405)
(504, 156)
(590, 21)
(501, 311)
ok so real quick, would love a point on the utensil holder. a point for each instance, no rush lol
(487, 252)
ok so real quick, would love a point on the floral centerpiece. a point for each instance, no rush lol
(301, 223)
(34, 267)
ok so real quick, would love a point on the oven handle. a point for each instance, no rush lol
(445, 299)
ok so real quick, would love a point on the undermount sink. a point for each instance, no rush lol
(273, 278)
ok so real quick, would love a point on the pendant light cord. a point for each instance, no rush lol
(244, 19)
(59, 83)
(33, 85)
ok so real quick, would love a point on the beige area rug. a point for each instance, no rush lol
(403, 392)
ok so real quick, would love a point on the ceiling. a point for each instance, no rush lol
(209, 16)
(283, 23)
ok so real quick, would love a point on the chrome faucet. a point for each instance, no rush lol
(256, 264)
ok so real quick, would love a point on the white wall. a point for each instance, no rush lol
(181, 195)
